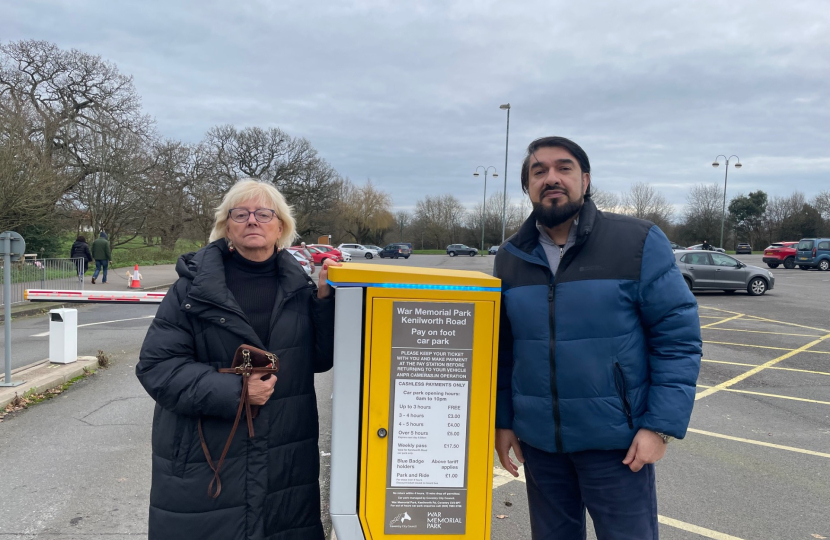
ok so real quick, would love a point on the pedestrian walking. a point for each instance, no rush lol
(80, 253)
(307, 253)
(102, 253)
(706, 245)
(242, 288)
(599, 354)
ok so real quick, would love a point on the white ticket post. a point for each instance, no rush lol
(63, 336)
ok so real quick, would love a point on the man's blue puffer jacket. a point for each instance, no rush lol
(611, 345)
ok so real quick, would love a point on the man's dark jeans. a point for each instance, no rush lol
(622, 504)
(98, 264)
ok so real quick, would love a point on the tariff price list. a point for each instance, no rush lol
(429, 433)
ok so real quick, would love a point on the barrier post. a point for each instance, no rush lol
(13, 247)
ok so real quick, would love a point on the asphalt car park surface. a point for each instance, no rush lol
(754, 465)
(756, 461)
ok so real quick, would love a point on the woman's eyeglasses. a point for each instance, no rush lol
(241, 215)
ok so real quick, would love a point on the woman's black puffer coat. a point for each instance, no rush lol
(270, 486)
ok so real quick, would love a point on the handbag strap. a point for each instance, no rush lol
(244, 404)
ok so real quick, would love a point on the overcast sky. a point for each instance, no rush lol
(408, 93)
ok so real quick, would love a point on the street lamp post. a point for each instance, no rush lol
(506, 107)
(725, 176)
(484, 204)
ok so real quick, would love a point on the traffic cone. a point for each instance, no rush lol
(135, 280)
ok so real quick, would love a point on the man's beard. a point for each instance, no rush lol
(556, 214)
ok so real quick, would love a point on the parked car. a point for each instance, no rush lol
(743, 248)
(394, 251)
(317, 255)
(712, 248)
(493, 250)
(377, 249)
(780, 253)
(358, 251)
(308, 267)
(334, 251)
(675, 246)
(460, 249)
(706, 270)
(813, 253)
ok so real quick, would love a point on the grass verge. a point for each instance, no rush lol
(33, 398)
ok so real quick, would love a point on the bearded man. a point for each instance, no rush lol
(599, 354)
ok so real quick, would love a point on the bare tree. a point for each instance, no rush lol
(402, 220)
(366, 213)
(644, 202)
(606, 201)
(439, 219)
(821, 202)
(69, 100)
(702, 214)
(114, 198)
(779, 210)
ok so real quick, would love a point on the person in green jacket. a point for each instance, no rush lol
(102, 253)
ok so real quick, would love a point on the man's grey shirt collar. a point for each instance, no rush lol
(552, 250)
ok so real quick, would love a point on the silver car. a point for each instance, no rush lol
(357, 251)
(710, 270)
(713, 248)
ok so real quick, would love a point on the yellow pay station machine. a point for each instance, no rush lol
(414, 402)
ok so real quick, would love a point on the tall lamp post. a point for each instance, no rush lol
(484, 204)
(725, 176)
(506, 107)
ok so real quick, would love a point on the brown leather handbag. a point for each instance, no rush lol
(247, 361)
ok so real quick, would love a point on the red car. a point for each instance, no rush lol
(318, 255)
(780, 253)
(336, 254)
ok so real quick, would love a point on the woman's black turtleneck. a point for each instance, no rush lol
(254, 285)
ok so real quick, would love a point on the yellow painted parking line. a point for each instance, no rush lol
(688, 527)
(748, 345)
(721, 310)
(758, 332)
(502, 477)
(767, 395)
(762, 347)
(757, 318)
(758, 369)
(788, 323)
(773, 367)
(709, 317)
(710, 325)
(759, 443)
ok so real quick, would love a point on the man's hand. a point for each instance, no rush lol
(505, 440)
(323, 288)
(260, 390)
(647, 447)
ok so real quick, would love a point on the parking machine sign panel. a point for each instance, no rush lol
(430, 377)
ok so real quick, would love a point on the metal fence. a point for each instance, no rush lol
(58, 274)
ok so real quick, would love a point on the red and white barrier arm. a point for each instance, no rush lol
(94, 297)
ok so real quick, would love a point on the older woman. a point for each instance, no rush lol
(243, 287)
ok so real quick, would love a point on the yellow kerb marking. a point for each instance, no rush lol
(760, 368)
(760, 443)
(768, 395)
(777, 368)
(710, 325)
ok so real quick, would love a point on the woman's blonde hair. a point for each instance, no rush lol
(256, 190)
